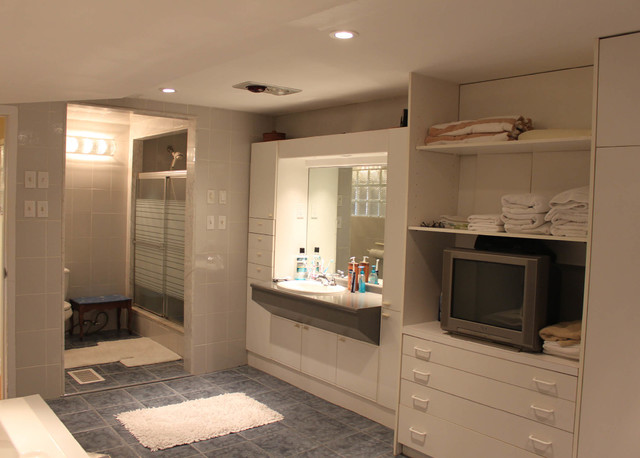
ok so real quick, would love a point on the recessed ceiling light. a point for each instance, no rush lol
(344, 34)
(168, 90)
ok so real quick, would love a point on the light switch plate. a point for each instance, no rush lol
(222, 197)
(42, 209)
(29, 208)
(29, 179)
(211, 222)
(43, 179)
(211, 196)
(222, 222)
(339, 200)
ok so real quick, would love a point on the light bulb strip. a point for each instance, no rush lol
(88, 145)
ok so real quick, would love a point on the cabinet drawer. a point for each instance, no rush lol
(262, 257)
(541, 380)
(259, 272)
(260, 242)
(440, 438)
(519, 401)
(521, 432)
(261, 226)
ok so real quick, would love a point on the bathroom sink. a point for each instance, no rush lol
(311, 287)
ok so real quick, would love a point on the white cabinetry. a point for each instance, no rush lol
(262, 189)
(357, 367)
(285, 341)
(318, 353)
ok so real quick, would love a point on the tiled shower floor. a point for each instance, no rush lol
(312, 427)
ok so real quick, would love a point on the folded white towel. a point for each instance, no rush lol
(562, 231)
(535, 203)
(570, 197)
(554, 348)
(493, 218)
(543, 229)
(526, 220)
(486, 227)
(569, 214)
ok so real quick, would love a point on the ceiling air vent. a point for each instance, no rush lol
(259, 88)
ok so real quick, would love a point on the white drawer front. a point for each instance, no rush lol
(260, 242)
(529, 435)
(519, 401)
(439, 438)
(261, 226)
(262, 257)
(541, 380)
(259, 272)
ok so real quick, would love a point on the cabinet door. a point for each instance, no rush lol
(618, 94)
(609, 407)
(318, 355)
(357, 367)
(390, 347)
(257, 327)
(262, 192)
(285, 341)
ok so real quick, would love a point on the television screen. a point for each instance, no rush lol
(488, 293)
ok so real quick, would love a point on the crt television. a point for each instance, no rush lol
(500, 297)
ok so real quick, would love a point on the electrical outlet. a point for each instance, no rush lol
(222, 222)
(43, 179)
(339, 200)
(211, 196)
(29, 208)
(29, 179)
(42, 209)
(222, 197)
(211, 222)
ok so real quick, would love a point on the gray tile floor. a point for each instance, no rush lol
(312, 427)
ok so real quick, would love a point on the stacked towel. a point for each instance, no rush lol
(525, 213)
(454, 222)
(569, 214)
(495, 129)
(562, 339)
(487, 223)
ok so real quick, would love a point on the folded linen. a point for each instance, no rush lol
(565, 332)
(489, 218)
(482, 125)
(571, 197)
(543, 229)
(579, 215)
(486, 227)
(526, 202)
(454, 221)
(555, 349)
(471, 138)
(561, 231)
(523, 219)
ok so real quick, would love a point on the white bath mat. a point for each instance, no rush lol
(130, 352)
(158, 428)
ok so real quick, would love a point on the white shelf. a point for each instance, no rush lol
(517, 146)
(498, 234)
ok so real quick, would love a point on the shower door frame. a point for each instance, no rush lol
(166, 176)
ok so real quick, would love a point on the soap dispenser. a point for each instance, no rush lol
(316, 262)
(363, 284)
(301, 265)
(364, 264)
(352, 279)
(373, 276)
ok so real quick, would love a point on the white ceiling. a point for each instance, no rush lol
(79, 49)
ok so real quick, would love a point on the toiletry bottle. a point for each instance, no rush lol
(373, 276)
(365, 265)
(301, 265)
(316, 262)
(363, 285)
(352, 279)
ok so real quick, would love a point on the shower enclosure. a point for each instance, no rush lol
(158, 244)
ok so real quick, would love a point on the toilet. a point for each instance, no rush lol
(68, 313)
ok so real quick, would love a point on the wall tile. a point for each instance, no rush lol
(31, 348)
(31, 312)
(31, 236)
(30, 380)
(31, 275)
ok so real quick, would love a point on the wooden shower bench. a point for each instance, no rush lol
(101, 303)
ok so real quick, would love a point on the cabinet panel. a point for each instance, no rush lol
(526, 403)
(496, 423)
(357, 366)
(319, 351)
(262, 191)
(285, 341)
(533, 378)
(261, 257)
(261, 226)
(618, 96)
(258, 320)
(259, 272)
(389, 363)
(260, 242)
(440, 438)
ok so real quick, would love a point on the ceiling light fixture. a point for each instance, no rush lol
(168, 90)
(344, 34)
(260, 88)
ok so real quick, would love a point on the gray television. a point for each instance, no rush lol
(494, 296)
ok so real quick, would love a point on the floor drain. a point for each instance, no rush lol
(84, 376)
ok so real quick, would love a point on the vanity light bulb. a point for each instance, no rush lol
(72, 144)
(101, 146)
(87, 145)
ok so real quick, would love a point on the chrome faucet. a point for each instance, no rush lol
(326, 279)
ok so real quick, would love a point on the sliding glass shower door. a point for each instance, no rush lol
(158, 245)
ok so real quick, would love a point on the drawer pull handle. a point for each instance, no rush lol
(422, 353)
(540, 409)
(416, 399)
(418, 375)
(534, 439)
(386, 304)
(415, 431)
(543, 382)
(385, 315)
(259, 255)
(259, 239)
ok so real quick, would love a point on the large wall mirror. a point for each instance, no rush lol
(346, 215)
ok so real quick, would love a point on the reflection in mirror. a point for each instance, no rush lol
(346, 215)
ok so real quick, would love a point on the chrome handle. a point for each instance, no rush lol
(539, 441)
(415, 431)
(422, 353)
(386, 304)
(258, 255)
(540, 409)
(543, 382)
(259, 239)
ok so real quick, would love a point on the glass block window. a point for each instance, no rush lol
(369, 191)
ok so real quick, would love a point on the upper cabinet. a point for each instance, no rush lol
(264, 158)
(618, 105)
